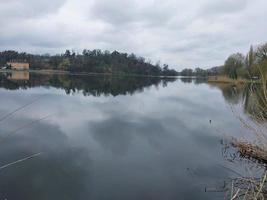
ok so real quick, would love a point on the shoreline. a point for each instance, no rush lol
(210, 79)
(62, 72)
(226, 80)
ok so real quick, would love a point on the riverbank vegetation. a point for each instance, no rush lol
(237, 68)
(91, 61)
(251, 146)
(226, 79)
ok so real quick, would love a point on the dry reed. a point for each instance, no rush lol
(252, 187)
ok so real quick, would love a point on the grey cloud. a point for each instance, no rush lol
(125, 132)
(115, 12)
(28, 8)
(218, 7)
(21, 23)
(121, 12)
(184, 33)
(34, 39)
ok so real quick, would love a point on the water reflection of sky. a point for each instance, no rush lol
(155, 144)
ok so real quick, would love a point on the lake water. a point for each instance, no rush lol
(104, 137)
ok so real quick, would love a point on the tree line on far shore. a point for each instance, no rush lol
(91, 61)
(237, 65)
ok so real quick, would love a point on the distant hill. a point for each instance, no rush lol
(90, 61)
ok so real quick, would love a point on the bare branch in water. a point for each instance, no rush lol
(26, 125)
(20, 160)
(19, 108)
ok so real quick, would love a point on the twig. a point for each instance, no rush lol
(261, 186)
(21, 160)
(235, 194)
(18, 109)
(25, 126)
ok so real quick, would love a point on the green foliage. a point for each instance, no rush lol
(95, 61)
(254, 65)
(65, 64)
(198, 72)
(234, 64)
(261, 53)
(261, 61)
(201, 72)
(250, 58)
(242, 72)
(187, 72)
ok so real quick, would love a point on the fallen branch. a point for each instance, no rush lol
(19, 161)
(251, 151)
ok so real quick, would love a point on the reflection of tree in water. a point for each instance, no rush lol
(195, 80)
(186, 79)
(254, 101)
(250, 96)
(88, 85)
(200, 80)
(233, 94)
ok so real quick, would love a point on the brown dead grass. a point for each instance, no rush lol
(251, 151)
(226, 79)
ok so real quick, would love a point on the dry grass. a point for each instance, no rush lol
(226, 79)
(256, 151)
(250, 151)
(248, 185)
(248, 188)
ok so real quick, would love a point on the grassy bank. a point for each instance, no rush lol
(226, 79)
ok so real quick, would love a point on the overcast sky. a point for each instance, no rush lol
(182, 33)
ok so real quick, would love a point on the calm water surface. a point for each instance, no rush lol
(113, 138)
